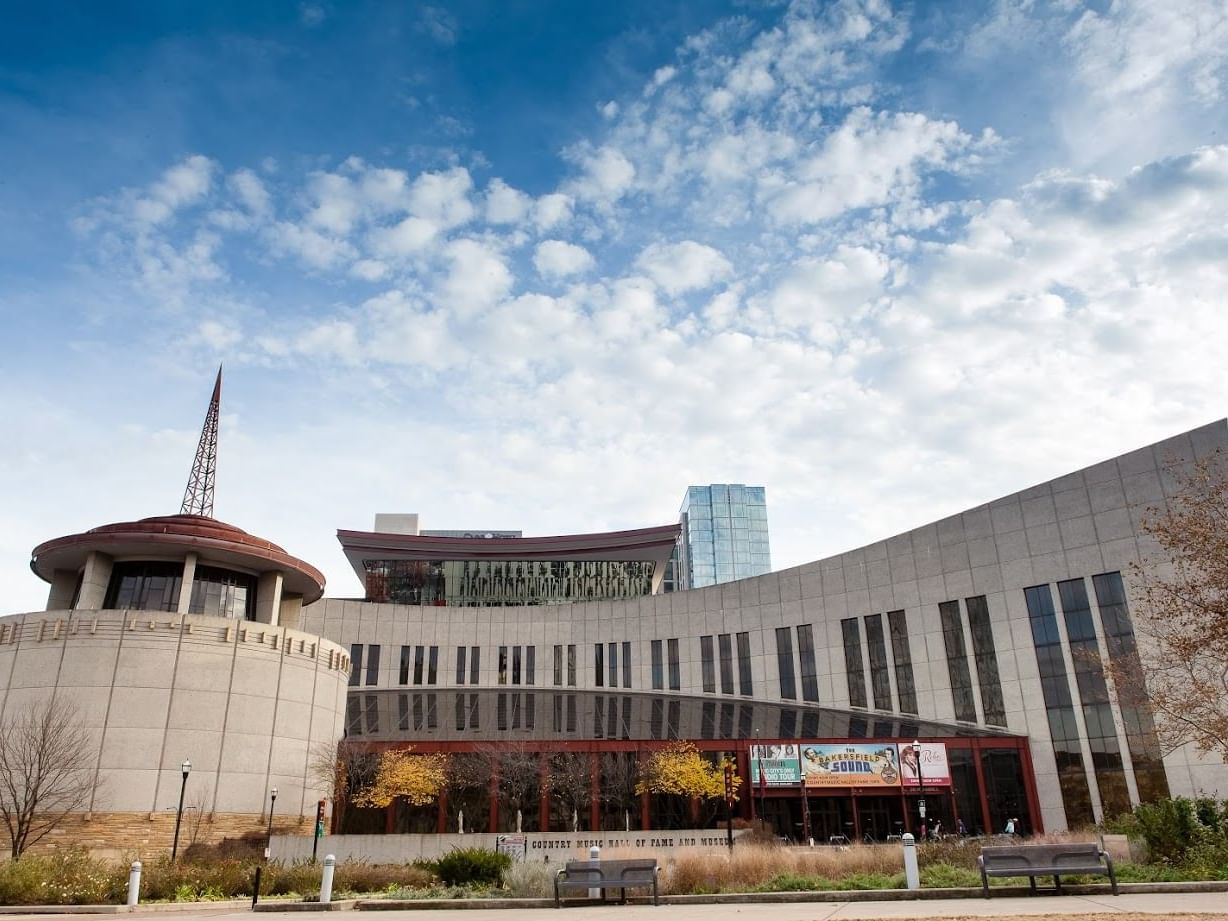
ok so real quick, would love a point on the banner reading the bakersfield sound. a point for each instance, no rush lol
(850, 765)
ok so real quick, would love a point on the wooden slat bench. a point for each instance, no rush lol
(607, 874)
(1056, 860)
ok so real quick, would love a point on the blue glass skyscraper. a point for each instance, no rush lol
(724, 535)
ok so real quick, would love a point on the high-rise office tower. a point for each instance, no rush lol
(724, 535)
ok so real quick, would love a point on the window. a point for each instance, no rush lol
(905, 686)
(403, 673)
(503, 665)
(474, 659)
(675, 670)
(805, 649)
(708, 662)
(880, 680)
(854, 669)
(626, 665)
(372, 665)
(515, 665)
(957, 661)
(1055, 688)
(784, 663)
(1139, 723)
(419, 656)
(746, 685)
(432, 665)
(372, 712)
(571, 665)
(460, 665)
(355, 664)
(986, 660)
(725, 643)
(148, 587)
(558, 677)
(613, 663)
(530, 665)
(658, 668)
(221, 593)
(599, 664)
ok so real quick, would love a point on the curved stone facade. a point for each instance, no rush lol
(968, 630)
(246, 702)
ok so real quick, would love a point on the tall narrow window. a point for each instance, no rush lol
(515, 665)
(675, 669)
(460, 665)
(355, 665)
(746, 685)
(474, 658)
(571, 665)
(372, 664)
(419, 655)
(558, 677)
(986, 660)
(372, 712)
(805, 652)
(503, 665)
(432, 665)
(1094, 696)
(626, 665)
(658, 666)
(530, 665)
(613, 663)
(599, 664)
(905, 686)
(876, 644)
(403, 675)
(784, 663)
(854, 669)
(1059, 707)
(957, 661)
(725, 644)
(1145, 752)
(708, 663)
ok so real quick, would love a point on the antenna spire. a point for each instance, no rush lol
(198, 497)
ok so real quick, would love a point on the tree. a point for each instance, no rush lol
(403, 775)
(342, 769)
(680, 769)
(1181, 668)
(46, 770)
(571, 779)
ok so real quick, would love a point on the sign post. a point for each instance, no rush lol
(729, 805)
(319, 830)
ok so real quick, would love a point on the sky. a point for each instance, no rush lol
(542, 264)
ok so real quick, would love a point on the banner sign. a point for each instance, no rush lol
(850, 765)
(935, 770)
(777, 764)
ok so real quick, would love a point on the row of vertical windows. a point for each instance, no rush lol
(618, 723)
(1141, 739)
(475, 660)
(564, 707)
(571, 665)
(853, 667)
(1094, 697)
(1055, 688)
(372, 665)
(522, 712)
(658, 666)
(957, 661)
(424, 710)
(905, 685)
(708, 664)
(725, 644)
(523, 664)
(664, 720)
(600, 659)
(416, 657)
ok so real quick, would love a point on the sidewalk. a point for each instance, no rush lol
(1163, 904)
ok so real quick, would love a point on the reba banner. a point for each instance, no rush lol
(850, 765)
(935, 770)
(778, 765)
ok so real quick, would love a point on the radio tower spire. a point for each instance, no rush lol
(198, 497)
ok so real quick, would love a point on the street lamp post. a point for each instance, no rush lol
(916, 753)
(187, 769)
(268, 850)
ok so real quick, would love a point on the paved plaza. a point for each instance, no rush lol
(1180, 905)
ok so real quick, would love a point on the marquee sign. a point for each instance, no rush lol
(778, 765)
(935, 770)
(850, 765)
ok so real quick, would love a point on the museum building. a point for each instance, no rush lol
(550, 666)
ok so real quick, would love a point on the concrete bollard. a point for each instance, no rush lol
(912, 878)
(594, 853)
(134, 884)
(326, 881)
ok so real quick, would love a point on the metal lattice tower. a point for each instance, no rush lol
(198, 497)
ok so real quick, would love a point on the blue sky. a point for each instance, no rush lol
(541, 265)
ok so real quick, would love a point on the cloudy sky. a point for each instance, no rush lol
(541, 264)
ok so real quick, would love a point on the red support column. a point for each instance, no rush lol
(645, 811)
(441, 818)
(390, 818)
(494, 801)
(980, 782)
(1029, 785)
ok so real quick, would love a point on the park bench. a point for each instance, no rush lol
(607, 874)
(1056, 860)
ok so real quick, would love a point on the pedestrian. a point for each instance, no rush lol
(924, 831)
(1010, 826)
(960, 828)
(937, 830)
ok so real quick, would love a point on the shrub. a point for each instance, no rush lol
(472, 866)
(1169, 826)
(530, 880)
(66, 877)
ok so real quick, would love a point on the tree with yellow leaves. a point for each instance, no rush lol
(402, 774)
(679, 769)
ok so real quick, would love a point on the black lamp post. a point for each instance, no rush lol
(187, 769)
(272, 802)
(916, 753)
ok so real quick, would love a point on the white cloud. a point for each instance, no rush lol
(551, 210)
(184, 184)
(443, 197)
(412, 235)
(606, 175)
(504, 204)
(558, 259)
(476, 278)
(685, 266)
